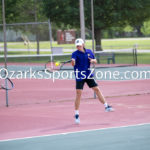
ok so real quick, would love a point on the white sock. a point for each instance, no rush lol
(77, 112)
(105, 104)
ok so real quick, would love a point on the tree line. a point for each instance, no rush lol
(111, 17)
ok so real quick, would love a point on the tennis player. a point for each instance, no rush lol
(81, 60)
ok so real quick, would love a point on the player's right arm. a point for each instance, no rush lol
(73, 59)
(73, 62)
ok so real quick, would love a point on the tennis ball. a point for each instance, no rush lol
(57, 63)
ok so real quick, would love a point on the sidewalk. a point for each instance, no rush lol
(68, 50)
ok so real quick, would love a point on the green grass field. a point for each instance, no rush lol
(143, 43)
(143, 58)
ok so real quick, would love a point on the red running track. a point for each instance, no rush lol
(43, 119)
(37, 119)
(36, 91)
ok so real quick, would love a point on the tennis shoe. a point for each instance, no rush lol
(77, 119)
(109, 109)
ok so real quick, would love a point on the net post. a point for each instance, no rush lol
(136, 63)
(5, 47)
(135, 54)
(6, 83)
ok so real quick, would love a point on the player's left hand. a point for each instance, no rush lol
(93, 61)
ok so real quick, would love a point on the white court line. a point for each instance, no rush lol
(66, 133)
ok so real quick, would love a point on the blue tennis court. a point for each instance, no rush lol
(136, 137)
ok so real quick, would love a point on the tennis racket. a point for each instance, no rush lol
(6, 84)
(55, 66)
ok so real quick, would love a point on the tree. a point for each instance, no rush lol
(62, 12)
(11, 12)
(17, 11)
(146, 28)
(117, 13)
(107, 14)
(23, 11)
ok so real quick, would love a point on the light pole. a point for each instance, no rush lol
(82, 20)
(92, 23)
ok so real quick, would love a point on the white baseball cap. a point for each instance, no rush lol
(79, 42)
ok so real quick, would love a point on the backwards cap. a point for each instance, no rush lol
(79, 42)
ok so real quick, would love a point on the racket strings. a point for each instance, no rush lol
(52, 66)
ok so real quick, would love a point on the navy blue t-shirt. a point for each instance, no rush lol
(82, 64)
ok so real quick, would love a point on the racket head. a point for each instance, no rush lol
(63, 65)
(6, 84)
(51, 66)
(66, 65)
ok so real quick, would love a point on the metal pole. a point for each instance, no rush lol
(82, 20)
(37, 34)
(135, 51)
(50, 33)
(92, 22)
(50, 37)
(5, 46)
